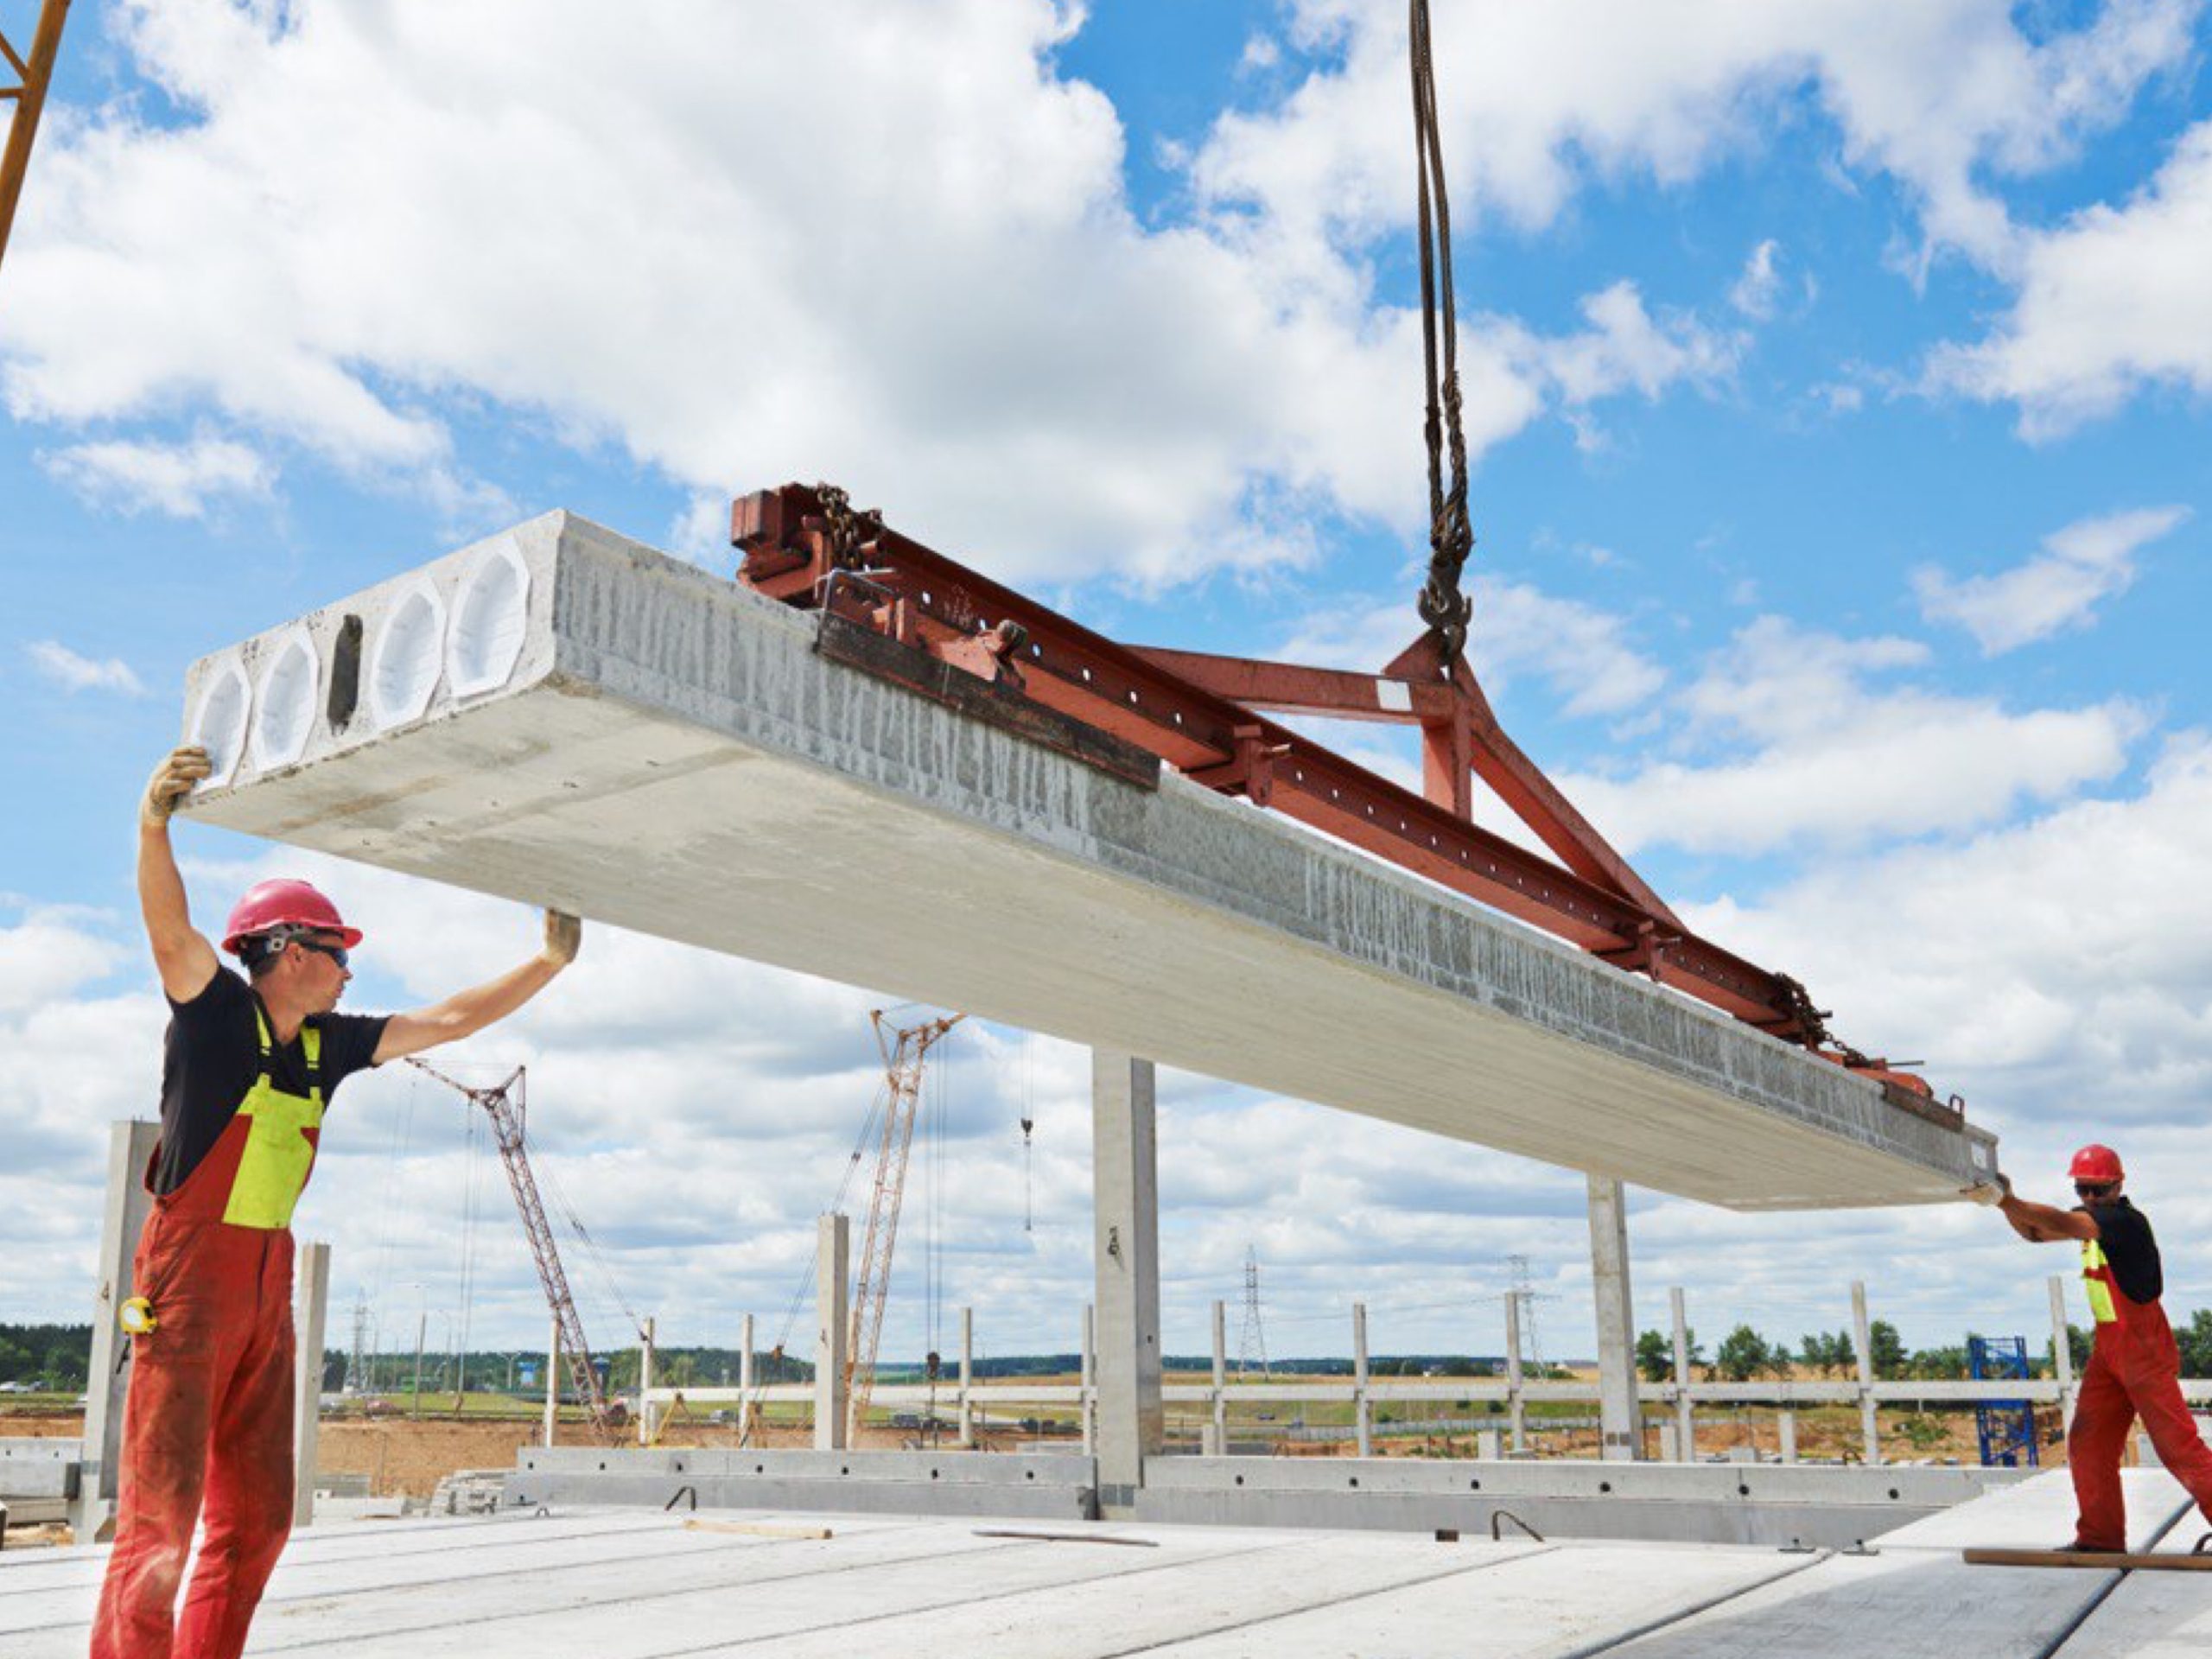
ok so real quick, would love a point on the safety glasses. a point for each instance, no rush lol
(335, 953)
(2092, 1189)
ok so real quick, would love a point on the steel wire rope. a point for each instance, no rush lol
(1442, 606)
(750, 1413)
(471, 1238)
(401, 1145)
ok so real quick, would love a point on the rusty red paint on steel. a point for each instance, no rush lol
(1202, 715)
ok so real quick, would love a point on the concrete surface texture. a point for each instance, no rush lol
(1713, 1503)
(630, 1584)
(562, 716)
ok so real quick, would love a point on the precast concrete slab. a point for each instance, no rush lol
(629, 1584)
(562, 716)
(879, 1482)
(1703, 1503)
(1915, 1597)
(1735, 1503)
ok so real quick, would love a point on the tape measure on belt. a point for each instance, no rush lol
(137, 1316)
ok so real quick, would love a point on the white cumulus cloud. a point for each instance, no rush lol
(2111, 303)
(1799, 738)
(181, 481)
(74, 671)
(2080, 566)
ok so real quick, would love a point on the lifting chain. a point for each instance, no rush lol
(850, 531)
(1443, 608)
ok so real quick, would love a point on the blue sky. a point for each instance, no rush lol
(1838, 402)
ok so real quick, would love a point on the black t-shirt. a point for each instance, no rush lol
(2125, 1231)
(211, 1054)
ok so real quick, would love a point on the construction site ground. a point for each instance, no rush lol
(623, 1584)
(404, 1455)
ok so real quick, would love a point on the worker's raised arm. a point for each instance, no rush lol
(466, 1013)
(186, 961)
(2043, 1223)
(2039, 1223)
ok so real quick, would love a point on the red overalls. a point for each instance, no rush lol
(210, 1404)
(2132, 1372)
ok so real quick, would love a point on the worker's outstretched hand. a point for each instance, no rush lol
(564, 937)
(177, 776)
(1994, 1190)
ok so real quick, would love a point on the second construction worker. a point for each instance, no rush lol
(2135, 1369)
(249, 1065)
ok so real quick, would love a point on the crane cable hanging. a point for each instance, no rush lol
(1442, 606)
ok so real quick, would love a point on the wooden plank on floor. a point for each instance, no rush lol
(2153, 1615)
(1144, 1612)
(2038, 1513)
(1549, 1603)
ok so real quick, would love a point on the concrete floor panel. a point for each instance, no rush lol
(668, 753)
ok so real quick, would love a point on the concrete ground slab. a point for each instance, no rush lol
(1914, 1597)
(641, 1585)
(562, 716)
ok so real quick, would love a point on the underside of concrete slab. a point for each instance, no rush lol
(562, 716)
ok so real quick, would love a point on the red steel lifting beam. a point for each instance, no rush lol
(1203, 715)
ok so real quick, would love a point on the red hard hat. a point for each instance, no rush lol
(284, 903)
(2095, 1164)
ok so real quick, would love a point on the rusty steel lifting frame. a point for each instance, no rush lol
(895, 607)
(33, 74)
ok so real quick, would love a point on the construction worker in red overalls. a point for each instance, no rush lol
(248, 1070)
(2134, 1370)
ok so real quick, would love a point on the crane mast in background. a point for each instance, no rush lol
(903, 1049)
(508, 1107)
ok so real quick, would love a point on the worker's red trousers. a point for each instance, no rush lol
(209, 1415)
(2134, 1372)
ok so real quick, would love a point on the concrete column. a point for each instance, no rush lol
(1087, 1383)
(1620, 1418)
(1685, 1407)
(1220, 1381)
(1516, 1409)
(1870, 1430)
(1363, 1418)
(832, 1249)
(967, 1377)
(2062, 1351)
(745, 1383)
(1125, 1177)
(129, 1150)
(1789, 1428)
(645, 1384)
(310, 1311)
(552, 1383)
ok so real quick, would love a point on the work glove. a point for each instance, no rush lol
(564, 937)
(1993, 1191)
(179, 773)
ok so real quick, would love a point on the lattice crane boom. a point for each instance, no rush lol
(508, 1107)
(904, 1050)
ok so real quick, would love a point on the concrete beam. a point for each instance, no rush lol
(833, 1305)
(1125, 1176)
(623, 735)
(1620, 1417)
(310, 1313)
(129, 1149)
